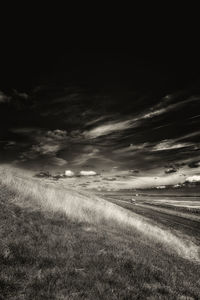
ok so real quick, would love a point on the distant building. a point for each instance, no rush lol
(177, 185)
(161, 187)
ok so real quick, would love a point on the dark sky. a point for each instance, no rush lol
(100, 108)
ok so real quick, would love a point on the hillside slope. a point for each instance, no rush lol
(47, 253)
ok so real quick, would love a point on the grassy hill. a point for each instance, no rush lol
(61, 244)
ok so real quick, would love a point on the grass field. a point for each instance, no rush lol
(64, 244)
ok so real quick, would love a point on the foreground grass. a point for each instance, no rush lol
(46, 255)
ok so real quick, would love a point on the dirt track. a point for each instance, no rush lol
(166, 218)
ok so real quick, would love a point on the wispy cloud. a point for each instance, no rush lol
(57, 161)
(164, 106)
(10, 144)
(108, 129)
(159, 109)
(170, 145)
(187, 136)
(131, 148)
(194, 117)
(155, 113)
(83, 158)
(4, 98)
(96, 120)
(22, 95)
(164, 145)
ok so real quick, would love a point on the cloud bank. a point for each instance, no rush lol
(69, 173)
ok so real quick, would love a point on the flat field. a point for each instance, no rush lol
(176, 211)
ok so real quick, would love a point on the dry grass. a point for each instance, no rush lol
(86, 207)
(59, 244)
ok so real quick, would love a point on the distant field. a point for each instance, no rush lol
(176, 212)
(189, 203)
(62, 244)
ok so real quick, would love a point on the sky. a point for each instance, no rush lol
(129, 115)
